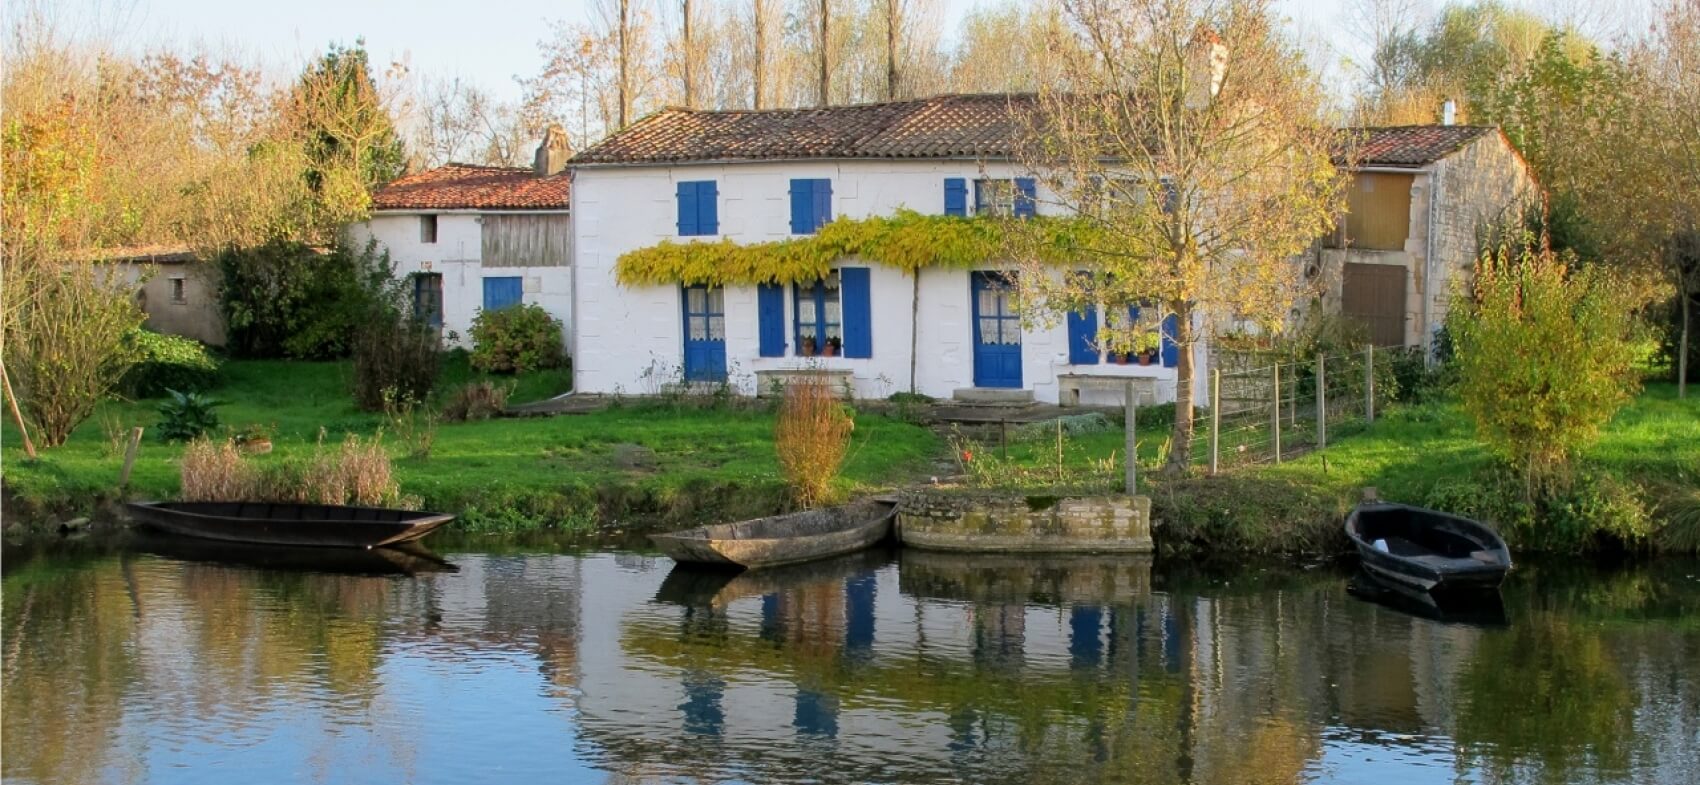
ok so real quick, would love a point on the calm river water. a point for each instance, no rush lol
(125, 666)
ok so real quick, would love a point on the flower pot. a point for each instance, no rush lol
(1145, 359)
(1121, 359)
(831, 351)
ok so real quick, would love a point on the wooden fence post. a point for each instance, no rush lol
(1275, 410)
(1215, 419)
(1131, 448)
(1321, 404)
(130, 458)
(1369, 383)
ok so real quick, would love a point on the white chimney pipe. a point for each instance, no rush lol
(1449, 112)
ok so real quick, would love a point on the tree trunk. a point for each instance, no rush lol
(685, 53)
(914, 329)
(825, 71)
(891, 26)
(1180, 440)
(624, 93)
(758, 67)
(1682, 346)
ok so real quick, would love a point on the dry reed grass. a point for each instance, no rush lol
(356, 472)
(811, 438)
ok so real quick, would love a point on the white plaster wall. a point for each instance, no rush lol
(456, 256)
(629, 339)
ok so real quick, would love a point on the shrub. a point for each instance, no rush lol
(516, 339)
(1595, 510)
(288, 299)
(476, 401)
(167, 362)
(811, 438)
(413, 423)
(395, 360)
(186, 415)
(1543, 359)
(64, 331)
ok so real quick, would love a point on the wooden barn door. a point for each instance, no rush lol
(1374, 295)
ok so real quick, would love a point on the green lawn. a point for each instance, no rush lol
(672, 463)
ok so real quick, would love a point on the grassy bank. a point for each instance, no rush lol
(627, 466)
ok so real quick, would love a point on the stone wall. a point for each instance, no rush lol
(965, 520)
(1482, 186)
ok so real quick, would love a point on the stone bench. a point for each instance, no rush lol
(773, 382)
(1069, 386)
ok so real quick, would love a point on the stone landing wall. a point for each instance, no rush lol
(968, 520)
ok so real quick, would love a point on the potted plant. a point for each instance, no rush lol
(808, 346)
(1145, 356)
(253, 439)
(1120, 357)
(833, 344)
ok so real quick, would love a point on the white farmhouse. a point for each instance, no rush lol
(471, 238)
(687, 176)
(757, 176)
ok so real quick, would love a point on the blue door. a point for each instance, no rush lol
(997, 331)
(502, 292)
(705, 334)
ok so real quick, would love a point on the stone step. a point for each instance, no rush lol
(991, 396)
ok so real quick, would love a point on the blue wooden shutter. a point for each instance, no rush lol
(503, 292)
(1171, 350)
(1026, 197)
(1083, 337)
(955, 196)
(802, 205)
(858, 312)
(708, 208)
(823, 204)
(770, 313)
(688, 213)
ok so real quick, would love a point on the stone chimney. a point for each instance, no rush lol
(1206, 66)
(552, 152)
(1449, 112)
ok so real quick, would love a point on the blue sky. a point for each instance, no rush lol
(489, 41)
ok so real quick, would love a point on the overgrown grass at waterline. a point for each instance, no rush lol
(632, 465)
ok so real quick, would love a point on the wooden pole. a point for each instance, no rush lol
(1369, 383)
(1131, 448)
(1321, 404)
(17, 416)
(1215, 420)
(1275, 411)
(130, 458)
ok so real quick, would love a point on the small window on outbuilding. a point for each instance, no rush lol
(179, 292)
(427, 228)
(1378, 213)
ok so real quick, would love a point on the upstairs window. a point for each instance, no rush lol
(427, 228)
(1006, 196)
(699, 209)
(811, 205)
(1378, 213)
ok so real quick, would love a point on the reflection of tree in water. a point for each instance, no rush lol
(1548, 695)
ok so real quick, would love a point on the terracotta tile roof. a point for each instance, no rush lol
(1409, 145)
(469, 187)
(945, 126)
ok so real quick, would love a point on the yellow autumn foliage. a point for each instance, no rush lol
(906, 240)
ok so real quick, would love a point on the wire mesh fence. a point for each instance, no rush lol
(1268, 408)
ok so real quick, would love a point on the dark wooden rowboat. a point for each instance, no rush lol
(694, 586)
(266, 523)
(1426, 550)
(408, 558)
(1482, 608)
(782, 539)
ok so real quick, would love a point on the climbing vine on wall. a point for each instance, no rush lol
(907, 241)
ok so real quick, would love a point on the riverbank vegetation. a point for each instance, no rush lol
(635, 464)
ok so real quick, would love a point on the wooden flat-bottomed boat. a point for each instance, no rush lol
(408, 558)
(782, 539)
(1426, 550)
(267, 523)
